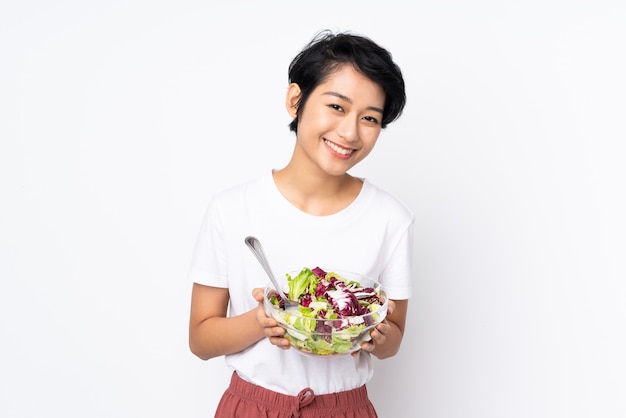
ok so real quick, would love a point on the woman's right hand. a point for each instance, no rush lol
(270, 328)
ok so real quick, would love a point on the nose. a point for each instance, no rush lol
(348, 129)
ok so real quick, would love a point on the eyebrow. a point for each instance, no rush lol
(347, 99)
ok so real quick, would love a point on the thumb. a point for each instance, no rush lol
(257, 293)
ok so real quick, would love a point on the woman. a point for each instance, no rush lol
(344, 89)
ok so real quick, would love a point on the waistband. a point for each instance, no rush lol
(340, 401)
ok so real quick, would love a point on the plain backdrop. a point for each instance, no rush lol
(118, 120)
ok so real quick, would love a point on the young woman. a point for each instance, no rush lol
(344, 89)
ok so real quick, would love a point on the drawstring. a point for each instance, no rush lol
(304, 398)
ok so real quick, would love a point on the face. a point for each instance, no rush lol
(340, 122)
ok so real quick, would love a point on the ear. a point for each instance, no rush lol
(293, 99)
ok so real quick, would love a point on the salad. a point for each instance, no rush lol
(335, 314)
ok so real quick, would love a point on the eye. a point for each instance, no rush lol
(371, 119)
(336, 107)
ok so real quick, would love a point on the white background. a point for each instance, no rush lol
(119, 119)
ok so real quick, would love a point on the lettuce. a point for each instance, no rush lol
(299, 284)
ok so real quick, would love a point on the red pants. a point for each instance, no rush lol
(245, 400)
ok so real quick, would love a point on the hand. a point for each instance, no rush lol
(269, 325)
(378, 334)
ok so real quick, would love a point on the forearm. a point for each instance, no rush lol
(218, 336)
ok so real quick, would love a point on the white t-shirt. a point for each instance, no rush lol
(372, 236)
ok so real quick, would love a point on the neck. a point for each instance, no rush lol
(317, 194)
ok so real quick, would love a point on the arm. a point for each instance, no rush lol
(211, 332)
(388, 334)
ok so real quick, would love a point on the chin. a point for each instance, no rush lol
(337, 169)
(337, 173)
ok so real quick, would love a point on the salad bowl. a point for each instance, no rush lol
(337, 310)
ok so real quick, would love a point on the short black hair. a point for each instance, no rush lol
(328, 52)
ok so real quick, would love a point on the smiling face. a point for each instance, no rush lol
(339, 124)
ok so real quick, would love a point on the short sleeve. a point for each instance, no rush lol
(208, 263)
(397, 274)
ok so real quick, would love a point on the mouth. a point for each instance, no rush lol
(344, 152)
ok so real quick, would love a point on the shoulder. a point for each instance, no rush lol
(387, 202)
(236, 200)
(240, 191)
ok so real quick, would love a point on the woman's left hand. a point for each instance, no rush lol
(378, 334)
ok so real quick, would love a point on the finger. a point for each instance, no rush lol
(391, 307)
(257, 293)
(368, 346)
(277, 332)
(269, 323)
(270, 328)
(383, 328)
(379, 333)
(263, 320)
(280, 342)
(377, 337)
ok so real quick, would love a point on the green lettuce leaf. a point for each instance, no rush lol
(300, 283)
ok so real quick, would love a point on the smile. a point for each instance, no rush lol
(338, 149)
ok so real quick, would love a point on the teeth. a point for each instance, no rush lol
(338, 149)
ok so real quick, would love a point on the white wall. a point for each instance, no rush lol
(119, 119)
